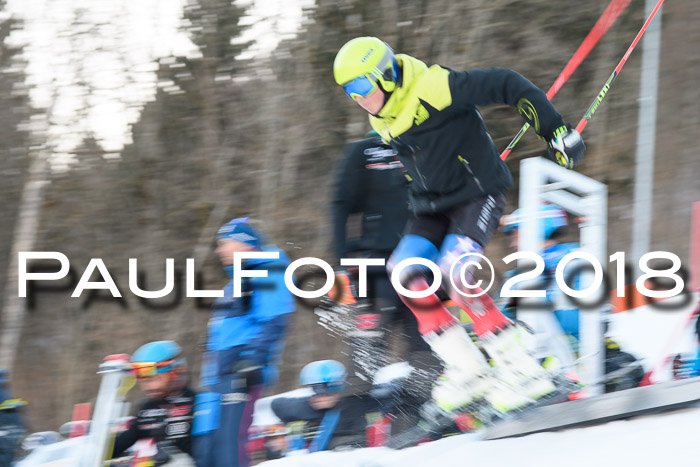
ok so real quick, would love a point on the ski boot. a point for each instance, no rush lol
(460, 389)
(525, 383)
(467, 376)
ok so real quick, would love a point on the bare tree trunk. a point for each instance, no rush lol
(213, 187)
(14, 307)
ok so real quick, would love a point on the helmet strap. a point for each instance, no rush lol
(397, 75)
(387, 95)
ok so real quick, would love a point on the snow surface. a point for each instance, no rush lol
(652, 441)
(660, 440)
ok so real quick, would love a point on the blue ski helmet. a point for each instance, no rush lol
(241, 230)
(551, 218)
(157, 358)
(324, 376)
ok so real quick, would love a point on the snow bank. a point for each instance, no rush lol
(651, 441)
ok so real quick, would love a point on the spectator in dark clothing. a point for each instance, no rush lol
(11, 426)
(372, 182)
(166, 416)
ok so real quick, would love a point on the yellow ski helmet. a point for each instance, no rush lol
(364, 63)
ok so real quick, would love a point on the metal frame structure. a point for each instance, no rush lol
(109, 406)
(542, 180)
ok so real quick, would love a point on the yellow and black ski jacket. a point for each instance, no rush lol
(433, 122)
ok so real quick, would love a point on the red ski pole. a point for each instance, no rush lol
(603, 92)
(611, 13)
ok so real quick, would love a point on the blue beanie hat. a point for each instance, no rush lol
(241, 231)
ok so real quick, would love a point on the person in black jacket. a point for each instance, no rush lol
(371, 182)
(166, 415)
(430, 116)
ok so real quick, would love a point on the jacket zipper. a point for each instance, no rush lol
(415, 164)
(471, 172)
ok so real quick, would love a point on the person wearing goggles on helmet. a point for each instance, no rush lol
(457, 187)
(338, 425)
(166, 415)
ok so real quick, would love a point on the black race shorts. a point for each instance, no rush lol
(477, 219)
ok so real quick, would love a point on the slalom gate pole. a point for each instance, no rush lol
(609, 16)
(603, 92)
(667, 352)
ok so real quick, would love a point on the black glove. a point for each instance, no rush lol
(566, 147)
(248, 373)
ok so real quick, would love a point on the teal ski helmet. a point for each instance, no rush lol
(324, 376)
(550, 217)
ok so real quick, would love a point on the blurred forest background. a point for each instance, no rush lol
(227, 136)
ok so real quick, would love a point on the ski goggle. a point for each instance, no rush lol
(362, 86)
(144, 370)
(324, 389)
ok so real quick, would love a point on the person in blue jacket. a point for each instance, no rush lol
(245, 340)
(562, 332)
(559, 331)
